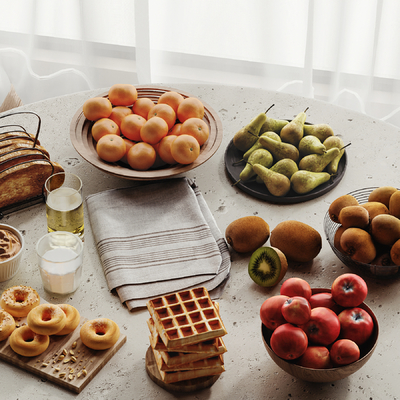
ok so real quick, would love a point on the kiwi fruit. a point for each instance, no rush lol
(394, 204)
(247, 234)
(395, 253)
(354, 216)
(385, 229)
(358, 244)
(336, 238)
(267, 266)
(339, 203)
(298, 241)
(375, 208)
(382, 194)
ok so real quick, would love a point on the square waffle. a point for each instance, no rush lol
(185, 318)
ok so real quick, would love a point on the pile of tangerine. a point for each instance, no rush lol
(144, 134)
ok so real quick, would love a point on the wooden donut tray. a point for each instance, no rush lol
(67, 362)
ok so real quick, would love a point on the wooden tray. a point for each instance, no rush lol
(188, 386)
(81, 138)
(45, 364)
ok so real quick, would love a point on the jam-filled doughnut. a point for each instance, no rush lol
(7, 324)
(73, 319)
(27, 343)
(19, 300)
(46, 319)
(99, 334)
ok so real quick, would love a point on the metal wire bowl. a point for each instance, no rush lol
(330, 228)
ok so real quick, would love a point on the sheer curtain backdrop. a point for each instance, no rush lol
(346, 52)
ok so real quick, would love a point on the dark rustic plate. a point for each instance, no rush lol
(81, 138)
(234, 168)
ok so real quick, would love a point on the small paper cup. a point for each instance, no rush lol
(10, 266)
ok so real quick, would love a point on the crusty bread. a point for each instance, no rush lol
(18, 134)
(17, 156)
(22, 145)
(26, 141)
(25, 181)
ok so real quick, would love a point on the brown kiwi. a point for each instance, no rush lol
(339, 203)
(395, 253)
(297, 240)
(382, 194)
(358, 244)
(247, 234)
(336, 238)
(267, 266)
(354, 216)
(394, 204)
(375, 208)
(385, 229)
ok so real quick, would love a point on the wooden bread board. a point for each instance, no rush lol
(45, 364)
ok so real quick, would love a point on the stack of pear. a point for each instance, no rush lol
(293, 132)
(248, 135)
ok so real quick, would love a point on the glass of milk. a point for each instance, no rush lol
(60, 256)
(64, 205)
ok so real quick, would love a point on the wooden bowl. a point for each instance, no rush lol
(372, 270)
(324, 375)
(81, 138)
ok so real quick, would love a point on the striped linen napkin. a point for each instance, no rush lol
(157, 238)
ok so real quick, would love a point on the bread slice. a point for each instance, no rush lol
(18, 135)
(17, 156)
(22, 145)
(25, 181)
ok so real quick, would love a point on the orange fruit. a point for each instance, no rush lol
(128, 144)
(96, 108)
(176, 129)
(190, 107)
(164, 149)
(118, 113)
(171, 98)
(131, 126)
(165, 112)
(197, 128)
(104, 126)
(122, 94)
(159, 161)
(111, 148)
(141, 156)
(154, 130)
(185, 149)
(142, 106)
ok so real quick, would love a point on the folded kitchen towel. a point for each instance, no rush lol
(157, 238)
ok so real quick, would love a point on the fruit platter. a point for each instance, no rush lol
(311, 157)
(85, 143)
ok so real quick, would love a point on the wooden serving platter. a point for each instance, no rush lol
(64, 371)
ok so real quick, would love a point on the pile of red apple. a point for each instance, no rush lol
(323, 330)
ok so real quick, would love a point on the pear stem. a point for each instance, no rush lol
(306, 109)
(233, 184)
(269, 108)
(348, 144)
(238, 162)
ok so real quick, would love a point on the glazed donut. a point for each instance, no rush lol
(27, 343)
(7, 324)
(99, 334)
(19, 300)
(46, 319)
(73, 319)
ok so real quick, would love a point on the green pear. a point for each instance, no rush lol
(318, 162)
(330, 142)
(285, 166)
(248, 135)
(303, 182)
(321, 131)
(280, 150)
(277, 184)
(260, 156)
(257, 144)
(293, 132)
(311, 145)
(273, 125)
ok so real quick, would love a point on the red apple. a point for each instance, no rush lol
(316, 357)
(356, 324)
(296, 287)
(325, 299)
(296, 310)
(349, 290)
(288, 341)
(344, 351)
(323, 328)
(270, 311)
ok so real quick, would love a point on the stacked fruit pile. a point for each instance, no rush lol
(143, 134)
(369, 232)
(285, 155)
(322, 330)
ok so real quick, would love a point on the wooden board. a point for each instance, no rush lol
(191, 385)
(45, 364)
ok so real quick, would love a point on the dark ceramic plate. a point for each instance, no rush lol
(234, 168)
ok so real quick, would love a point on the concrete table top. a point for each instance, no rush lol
(373, 160)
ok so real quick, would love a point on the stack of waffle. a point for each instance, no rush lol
(186, 335)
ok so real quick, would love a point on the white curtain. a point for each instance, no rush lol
(346, 52)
